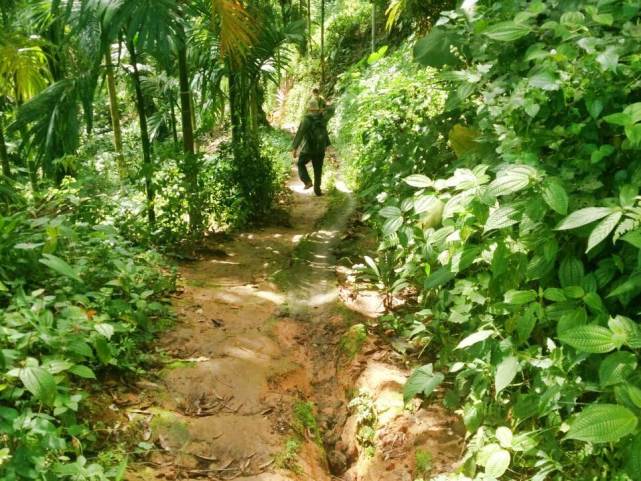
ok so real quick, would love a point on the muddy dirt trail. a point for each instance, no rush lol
(273, 375)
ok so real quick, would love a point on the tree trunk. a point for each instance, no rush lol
(148, 168)
(172, 114)
(373, 26)
(322, 59)
(4, 155)
(195, 215)
(309, 25)
(115, 115)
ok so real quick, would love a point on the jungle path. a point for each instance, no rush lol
(258, 381)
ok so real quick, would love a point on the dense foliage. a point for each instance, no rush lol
(126, 128)
(76, 300)
(517, 249)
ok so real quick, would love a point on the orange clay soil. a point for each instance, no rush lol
(278, 380)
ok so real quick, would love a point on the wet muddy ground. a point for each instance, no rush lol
(273, 374)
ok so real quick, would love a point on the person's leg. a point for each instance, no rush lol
(317, 162)
(303, 159)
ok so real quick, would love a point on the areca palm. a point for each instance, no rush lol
(245, 73)
(23, 73)
(147, 26)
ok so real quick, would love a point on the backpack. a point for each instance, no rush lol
(316, 137)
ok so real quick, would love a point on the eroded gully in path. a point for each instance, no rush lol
(262, 391)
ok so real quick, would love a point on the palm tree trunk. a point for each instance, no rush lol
(373, 26)
(115, 115)
(148, 167)
(322, 59)
(172, 114)
(195, 215)
(4, 155)
(309, 25)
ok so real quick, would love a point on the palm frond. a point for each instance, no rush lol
(236, 27)
(23, 70)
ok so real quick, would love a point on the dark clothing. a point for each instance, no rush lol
(317, 163)
(311, 120)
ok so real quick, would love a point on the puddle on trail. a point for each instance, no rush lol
(268, 389)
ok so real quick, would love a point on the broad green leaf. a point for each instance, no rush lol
(40, 383)
(555, 196)
(501, 218)
(508, 182)
(573, 19)
(602, 152)
(497, 463)
(423, 380)
(594, 302)
(390, 212)
(603, 230)
(628, 194)
(620, 118)
(504, 436)
(629, 285)
(571, 272)
(603, 18)
(105, 329)
(591, 338)
(518, 298)
(486, 451)
(615, 368)
(525, 325)
(602, 423)
(633, 133)
(82, 371)
(545, 80)
(628, 395)
(554, 294)
(419, 181)
(60, 266)
(427, 203)
(103, 350)
(376, 56)
(626, 331)
(439, 278)
(609, 59)
(633, 458)
(583, 217)
(506, 371)
(474, 338)
(433, 50)
(595, 107)
(372, 265)
(392, 225)
(507, 31)
(633, 238)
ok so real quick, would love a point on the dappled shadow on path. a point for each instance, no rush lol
(258, 361)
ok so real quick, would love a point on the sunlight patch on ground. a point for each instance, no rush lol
(216, 261)
(324, 298)
(271, 296)
(342, 187)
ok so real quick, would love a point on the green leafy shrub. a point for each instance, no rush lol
(76, 300)
(521, 239)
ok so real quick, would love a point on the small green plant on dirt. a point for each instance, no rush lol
(305, 421)
(366, 418)
(423, 460)
(353, 340)
(288, 457)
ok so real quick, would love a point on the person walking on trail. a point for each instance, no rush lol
(312, 136)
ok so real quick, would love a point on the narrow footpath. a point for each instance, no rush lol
(265, 379)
